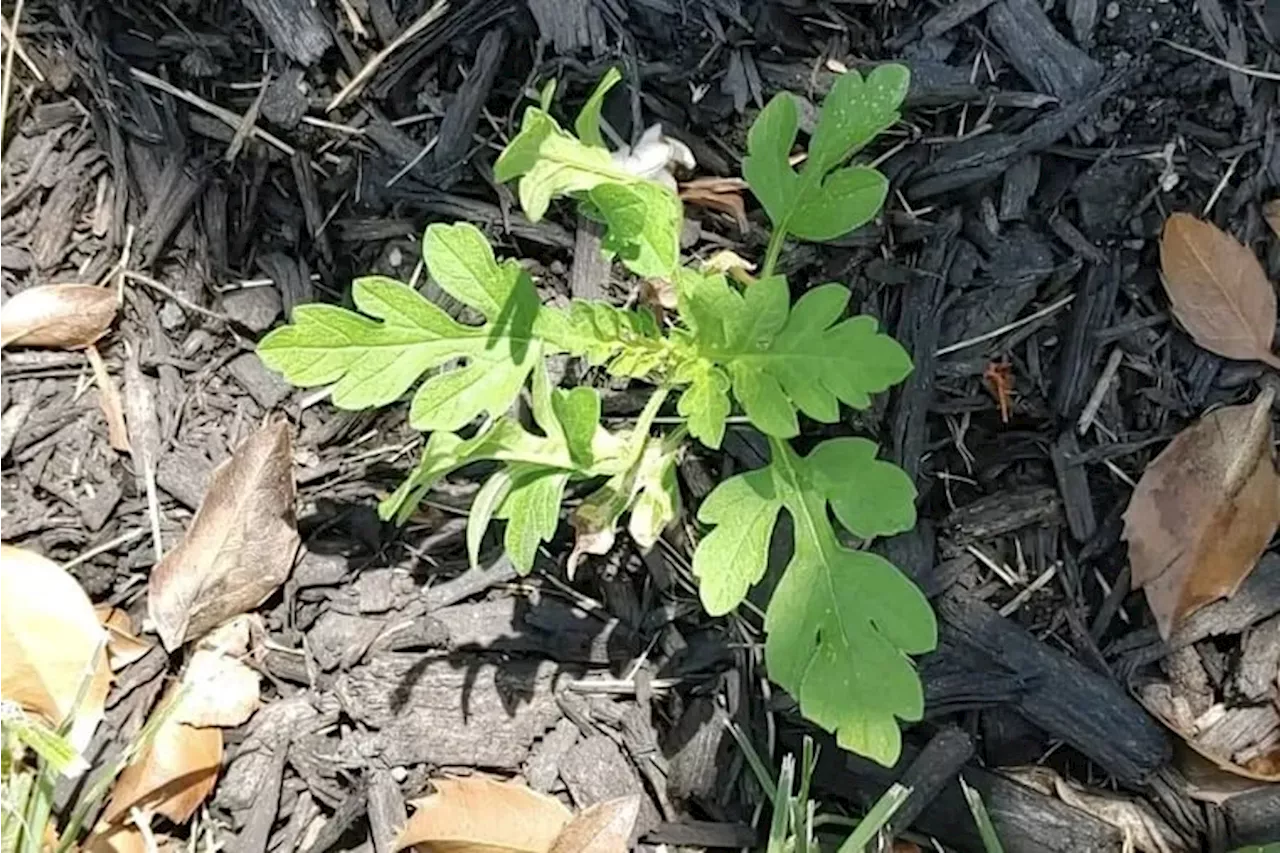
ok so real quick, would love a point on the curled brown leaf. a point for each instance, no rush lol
(240, 546)
(57, 315)
(1203, 512)
(1218, 290)
(480, 815)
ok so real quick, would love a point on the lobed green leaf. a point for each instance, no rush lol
(841, 623)
(780, 360)
(372, 360)
(822, 202)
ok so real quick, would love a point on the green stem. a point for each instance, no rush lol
(644, 423)
(771, 254)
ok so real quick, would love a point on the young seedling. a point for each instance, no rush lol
(842, 622)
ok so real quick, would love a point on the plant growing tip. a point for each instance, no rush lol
(842, 623)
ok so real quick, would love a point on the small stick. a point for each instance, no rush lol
(1209, 57)
(1099, 391)
(228, 117)
(1008, 327)
(375, 62)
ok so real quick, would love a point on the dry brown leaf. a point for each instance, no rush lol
(479, 815)
(603, 828)
(52, 643)
(720, 194)
(1218, 290)
(109, 399)
(1204, 511)
(240, 545)
(1144, 830)
(57, 315)
(1158, 699)
(173, 774)
(123, 645)
(220, 690)
(1271, 213)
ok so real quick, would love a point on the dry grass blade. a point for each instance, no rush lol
(1218, 290)
(1204, 510)
(109, 399)
(603, 828)
(57, 315)
(479, 815)
(52, 643)
(240, 546)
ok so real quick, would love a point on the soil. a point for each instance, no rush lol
(186, 153)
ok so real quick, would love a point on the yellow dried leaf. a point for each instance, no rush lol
(123, 645)
(53, 644)
(240, 546)
(1203, 512)
(57, 315)
(173, 774)
(480, 815)
(1271, 213)
(1218, 290)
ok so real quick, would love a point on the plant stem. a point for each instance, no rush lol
(776, 239)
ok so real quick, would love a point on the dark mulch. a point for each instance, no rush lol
(185, 150)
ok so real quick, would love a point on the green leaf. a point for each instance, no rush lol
(587, 124)
(532, 512)
(628, 343)
(782, 360)
(841, 623)
(372, 360)
(705, 403)
(644, 220)
(643, 217)
(484, 506)
(527, 489)
(819, 203)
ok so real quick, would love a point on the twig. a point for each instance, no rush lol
(1231, 66)
(228, 117)
(110, 545)
(181, 300)
(375, 62)
(1099, 391)
(1008, 327)
(12, 35)
(7, 86)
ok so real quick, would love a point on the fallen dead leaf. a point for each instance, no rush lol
(109, 399)
(1144, 830)
(123, 645)
(1203, 512)
(603, 828)
(220, 690)
(57, 315)
(240, 545)
(1158, 699)
(480, 815)
(52, 643)
(1218, 290)
(720, 194)
(173, 774)
(1271, 213)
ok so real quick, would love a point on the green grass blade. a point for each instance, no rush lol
(986, 830)
(865, 832)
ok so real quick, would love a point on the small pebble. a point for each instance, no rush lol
(1113, 11)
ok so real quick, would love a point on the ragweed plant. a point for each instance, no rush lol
(842, 622)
